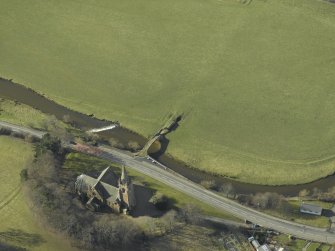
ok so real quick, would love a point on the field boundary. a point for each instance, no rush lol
(298, 162)
(10, 197)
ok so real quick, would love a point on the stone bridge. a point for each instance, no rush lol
(169, 126)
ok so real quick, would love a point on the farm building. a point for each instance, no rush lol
(310, 209)
(107, 189)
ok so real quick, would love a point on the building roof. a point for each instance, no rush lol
(84, 182)
(106, 191)
(311, 208)
(112, 193)
(263, 248)
(109, 177)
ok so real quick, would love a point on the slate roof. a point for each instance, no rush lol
(84, 182)
(107, 191)
(308, 208)
(109, 177)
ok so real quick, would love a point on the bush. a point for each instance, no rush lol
(228, 190)
(209, 184)
(5, 131)
(24, 174)
(116, 143)
(304, 193)
(160, 201)
(266, 200)
(190, 214)
(134, 146)
(17, 135)
(29, 138)
(48, 143)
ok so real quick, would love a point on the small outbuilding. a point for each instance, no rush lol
(264, 247)
(310, 209)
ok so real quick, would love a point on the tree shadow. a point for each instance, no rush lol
(7, 247)
(164, 142)
(20, 237)
(143, 205)
(328, 213)
(174, 125)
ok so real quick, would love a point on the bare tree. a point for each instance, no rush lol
(316, 192)
(304, 193)
(228, 190)
(190, 214)
(170, 220)
(116, 143)
(43, 168)
(160, 201)
(67, 118)
(134, 146)
(209, 184)
(266, 200)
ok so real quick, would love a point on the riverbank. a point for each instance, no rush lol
(254, 112)
(197, 192)
(245, 168)
(28, 96)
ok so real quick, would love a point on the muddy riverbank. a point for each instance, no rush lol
(19, 93)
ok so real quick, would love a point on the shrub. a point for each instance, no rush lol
(5, 131)
(209, 184)
(50, 143)
(160, 201)
(190, 214)
(24, 174)
(134, 146)
(266, 200)
(228, 190)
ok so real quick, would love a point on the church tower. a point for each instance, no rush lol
(127, 191)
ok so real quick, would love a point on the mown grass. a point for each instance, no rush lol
(18, 225)
(256, 82)
(88, 164)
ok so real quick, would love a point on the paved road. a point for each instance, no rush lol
(182, 184)
(21, 129)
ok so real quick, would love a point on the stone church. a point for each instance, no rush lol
(107, 190)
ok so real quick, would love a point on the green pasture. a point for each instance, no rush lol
(254, 81)
(18, 226)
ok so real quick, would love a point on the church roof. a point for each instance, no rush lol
(108, 191)
(109, 177)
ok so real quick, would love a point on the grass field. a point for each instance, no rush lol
(18, 226)
(256, 81)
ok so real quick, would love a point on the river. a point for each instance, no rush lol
(19, 93)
